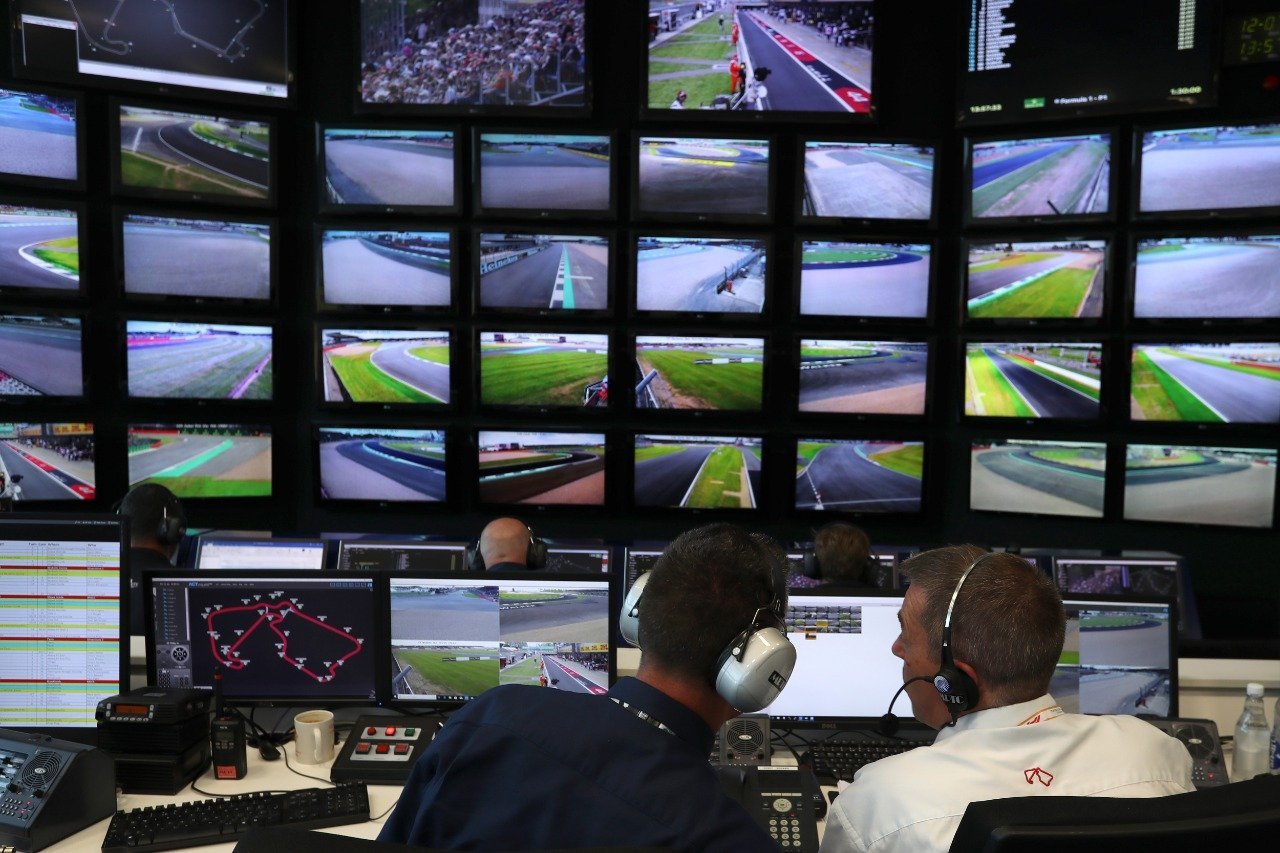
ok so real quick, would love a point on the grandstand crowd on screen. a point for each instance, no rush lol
(843, 24)
(72, 449)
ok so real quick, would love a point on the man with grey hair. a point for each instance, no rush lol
(981, 634)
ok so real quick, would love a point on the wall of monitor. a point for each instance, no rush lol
(424, 263)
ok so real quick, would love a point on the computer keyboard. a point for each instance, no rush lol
(840, 759)
(222, 819)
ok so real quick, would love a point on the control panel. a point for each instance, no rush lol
(382, 750)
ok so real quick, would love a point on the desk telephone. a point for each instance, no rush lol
(786, 801)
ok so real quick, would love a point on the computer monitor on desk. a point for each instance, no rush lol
(368, 555)
(238, 553)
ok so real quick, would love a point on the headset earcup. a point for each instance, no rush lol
(811, 567)
(629, 618)
(753, 682)
(957, 690)
(475, 560)
(536, 556)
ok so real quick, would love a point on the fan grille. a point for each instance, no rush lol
(41, 769)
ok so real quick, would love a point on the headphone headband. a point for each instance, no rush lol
(958, 691)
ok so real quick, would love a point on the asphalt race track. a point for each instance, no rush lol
(568, 677)
(194, 262)
(531, 281)
(389, 172)
(393, 359)
(867, 183)
(357, 273)
(18, 266)
(1144, 645)
(898, 289)
(842, 477)
(176, 142)
(691, 178)
(173, 459)
(997, 167)
(1236, 396)
(452, 616)
(1012, 479)
(40, 483)
(985, 281)
(34, 141)
(1218, 491)
(1118, 692)
(549, 177)
(359, 470)
(827, 388)
(1193, 175)
(45, 358)
(686, 278)
(1209, 280)
(1048, 398)
(579, 619)
(792, 87)
(665, 480)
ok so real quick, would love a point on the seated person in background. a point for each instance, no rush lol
(507, 544)
(843, 552)
(526, 768)
(157, 524)
(1001, 733)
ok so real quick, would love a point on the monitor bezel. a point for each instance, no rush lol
(323, 325)
(1183, 233)
(804, 216)
(76, 184)
(122, 330)
(86, 380)
(528, 505)
(638, 314)
(825, 416)
(382, 309)
(987, 442)
(842, 321)
(264, 427)
(707, 217)
(332, 208)
(970, 242)
(1102, 341)
(450, 477)
(701, 431)
(537, 212)
(476, 279)
(767, 356)
(818, 517)
(539, 407)
(80, 210)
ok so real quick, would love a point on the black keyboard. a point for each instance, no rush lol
(222, 819)
(840, 759)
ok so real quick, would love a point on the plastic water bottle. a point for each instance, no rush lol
(1253, 737)
(1275, 741)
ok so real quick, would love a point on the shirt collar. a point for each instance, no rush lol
(684, 723)
(1006, 717)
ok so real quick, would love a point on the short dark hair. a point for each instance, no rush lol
(146, 506)
(703, 591)
(843, 551)
(1008, 622)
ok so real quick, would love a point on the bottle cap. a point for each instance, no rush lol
(1253, 688)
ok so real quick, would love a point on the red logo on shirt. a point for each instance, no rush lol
(1035, 774)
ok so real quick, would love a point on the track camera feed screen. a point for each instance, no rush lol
(192, 154)
(697, 471)
(170, 256)
(270, 637)
(1117, 575)
(544, 272)
(700, 274)
(844, 278)
(385, 366)
(1116, 659)
(1039, 178)
(1038, 477)
(46, 462)
(232, 47)
(40, 356)
(381, 464)
(1210, 168)
(856, 475)
(200, 361)
(525, 171)
(795, 56)
(702, 175)
(1033, 380)
(544, 369)
(454, 638)
(1208, 277)
(377, 267)
(39, 248)
(202, 460)
(863, 377)
(699, 373)
(1234, 486)
(468, 53)
(388, 168)
(38, 135)
(868, 180)
(1058, 279)
(541, 467)
(1206, 382)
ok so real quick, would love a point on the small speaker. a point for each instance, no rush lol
(745, 740)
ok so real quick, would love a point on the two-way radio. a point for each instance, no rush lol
(226, 736)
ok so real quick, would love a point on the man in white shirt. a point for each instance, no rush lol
(982, 634)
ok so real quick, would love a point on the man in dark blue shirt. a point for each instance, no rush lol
(523, 768)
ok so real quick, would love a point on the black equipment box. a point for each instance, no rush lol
(142, 773)
(154, 706)
(381, 750)
(165, 739)
(51, 788)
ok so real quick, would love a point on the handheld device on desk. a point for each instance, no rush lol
(382, 750)
(226, 734)
(783, 800)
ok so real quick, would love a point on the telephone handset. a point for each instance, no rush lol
(783, 800)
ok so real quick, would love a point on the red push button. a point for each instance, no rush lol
(372, 730)
(384, 748)
(402, 749)
(391, 730)
(362, 748)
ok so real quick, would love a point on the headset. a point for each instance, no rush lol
(535, 555)
(754, 667)
(171, 527)
(958, 691)
(813, 569)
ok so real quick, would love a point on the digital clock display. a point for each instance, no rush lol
(1252, 38)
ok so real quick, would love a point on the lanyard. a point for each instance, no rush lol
(643, 715)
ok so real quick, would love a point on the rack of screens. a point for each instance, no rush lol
(1207, 277)
(40, 141)
(863, 377)
(852, 278)
(1207, 171)
(202, 460)
(1021, 379)
(49, 461)
(166, 255)
(388, 170)
(1182, 484)
(859, 475)
(697, 471)
(1058, 178)
(540, 468)
(382, 464)
(1206, 381)
(1038, 476)
(371, 555)
(871, 181)
(1063, 279)
(198, 361)
(380, 267)
(385, 366)
(41, 356)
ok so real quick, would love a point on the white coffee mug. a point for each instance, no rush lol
(313, 737)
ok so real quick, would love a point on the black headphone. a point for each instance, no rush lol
(171, 527)
(535, 555)
(958, 691)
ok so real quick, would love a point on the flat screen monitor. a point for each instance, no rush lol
(701, 275)
(1061, 279)
(863, 377)
(222, 48)
(1206, 382)
(40, 356)
(1042, 179)
(48, 461)
(455, 636)
(1037, 476)
(1180, 484)
(1209, 170)
(198, 361)
(473, 57)
(1210, 277)
(545, 173)
(868, 180)
(381, 267)
(41, 249)
(638, 559)
(849, 278)
(385, 366)
(382, 464)
(788, 56)
(699, 374)
(697, 471)
(540, 468)
(1117, 575)
(1020, 379)
(194, 156)
(293, 638)
(543, 369)
(702, 177)
(202, 460)
(543, 273)
(388, 170)
(40, 141)
(243, 553)
(168, 256)
(584, 560)
(65, 586)
(859, 475)
(881, 565)
(371, 555)
(1022, 59)
(1120, 656)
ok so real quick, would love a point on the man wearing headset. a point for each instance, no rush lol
(981, 634)
(521, 768)
(157, 524)
(505, 545)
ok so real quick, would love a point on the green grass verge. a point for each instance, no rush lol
(152, 373)
(806, 450)
(210, 487)
(1160, 250)
(139, 171)
(656, 450)
(367, 384)
(1076, 458)
(440, 355)
(834, 352)
(227, 140)
(544, 378)
(701, 90)
(465, 677)
(536, 457)
(525, 672)
(719, 386)
(1070, 658)
(1160, 397)
(63, 252)
(721, 473)
(701, 41)
(907, 460)
(520, 597)
(673, 67)
(1058, 294)
(1020, 180)
(823, 256)
(416, 449)
(1187, 457)
(999, 398)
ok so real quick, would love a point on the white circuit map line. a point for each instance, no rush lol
(235, 49)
